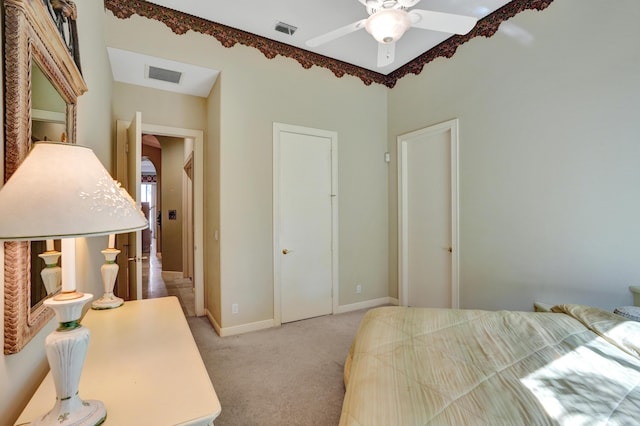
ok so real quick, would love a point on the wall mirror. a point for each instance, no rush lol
(41, 87)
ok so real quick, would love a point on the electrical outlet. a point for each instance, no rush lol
(234, 308)
(359, 289)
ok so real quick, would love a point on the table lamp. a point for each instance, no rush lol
(62, 191)
(109, 272)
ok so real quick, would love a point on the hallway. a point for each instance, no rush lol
(156, 283)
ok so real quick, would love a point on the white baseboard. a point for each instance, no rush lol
(261, 325)
(366, 304)
(213, 321)
(238, 329)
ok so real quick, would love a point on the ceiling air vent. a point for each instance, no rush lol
(285, 28)
(163, 74)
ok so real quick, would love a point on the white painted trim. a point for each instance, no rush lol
(403, 229)
(187, 216)
(455, 216)
(366, 304)
(244, 328)
(213, 321)
(263, 325)
(198, 202)
(335, 291)
(48, 116)
(277, 276)
(277, 291)
(403, 237)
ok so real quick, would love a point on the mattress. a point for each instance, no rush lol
(416, 366)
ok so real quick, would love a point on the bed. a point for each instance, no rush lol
(416, 366)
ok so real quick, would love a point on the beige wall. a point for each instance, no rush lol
(158, 106)
(253, 93)
(549, 176)
(171, 188)
(286, 93)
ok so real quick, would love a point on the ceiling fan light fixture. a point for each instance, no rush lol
(388, 25)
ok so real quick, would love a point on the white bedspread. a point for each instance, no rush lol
(413, 366)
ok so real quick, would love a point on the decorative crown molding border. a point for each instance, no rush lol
(180, 23)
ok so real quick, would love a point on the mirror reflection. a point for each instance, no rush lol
(48, 123)
(48, 109)
(39, 290)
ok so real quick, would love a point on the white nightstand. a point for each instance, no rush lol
(144, 365)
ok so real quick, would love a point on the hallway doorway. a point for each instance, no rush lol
(133, 287)
(165, 269)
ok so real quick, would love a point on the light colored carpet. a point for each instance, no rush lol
(291, 375)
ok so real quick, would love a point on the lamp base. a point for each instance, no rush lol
(109, 272)
(108, 301)
(91, 413)
(66, 350)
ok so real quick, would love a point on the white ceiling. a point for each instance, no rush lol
(130, 67)
(312, 18)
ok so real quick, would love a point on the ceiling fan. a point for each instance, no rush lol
(389, 19)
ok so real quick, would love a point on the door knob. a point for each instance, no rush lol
(137, 259)
(285, 251)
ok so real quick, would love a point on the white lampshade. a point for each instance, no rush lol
(62, 191)
(388, 25)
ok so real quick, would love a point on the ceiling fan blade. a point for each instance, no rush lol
(332, 35)
(386, 54)
(408, 3)
(444, 22)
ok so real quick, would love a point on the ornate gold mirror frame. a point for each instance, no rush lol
(31, 36)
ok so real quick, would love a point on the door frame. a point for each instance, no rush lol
(403, 140)
(134, 257)
(198, 198)
(187, 217)
(277, 287)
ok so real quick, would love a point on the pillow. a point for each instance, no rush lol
(629, 312)
(621, 332)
